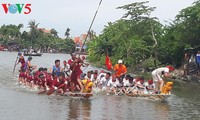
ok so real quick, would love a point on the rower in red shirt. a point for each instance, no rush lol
(21, 60)
(75, 66)
(60, 84)
(22, 71)
(41, 81)
(36, 76)
(49, 81)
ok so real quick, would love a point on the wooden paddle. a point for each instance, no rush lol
(42, 92)
(15, 64)
(51, 91)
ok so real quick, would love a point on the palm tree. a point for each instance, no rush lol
(54, 32)
(33, 29)
(67, 32)
(20, 26)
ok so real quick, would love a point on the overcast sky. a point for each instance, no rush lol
(77, 14)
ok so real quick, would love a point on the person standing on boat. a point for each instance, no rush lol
(56, 68)
(120, 70)
(28, 65)
(75, 66)
(157, 76)
(22, 61)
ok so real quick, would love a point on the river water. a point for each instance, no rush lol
(18, 103)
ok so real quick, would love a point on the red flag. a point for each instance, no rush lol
(108, 62)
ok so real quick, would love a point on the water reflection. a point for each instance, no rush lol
(79, 109)
(162, 110)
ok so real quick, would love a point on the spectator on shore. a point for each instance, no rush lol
(198, 60)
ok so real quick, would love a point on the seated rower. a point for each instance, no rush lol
(139, 86)
(89, 75)
(150, 87)
(41, 81)
(61, 83)
(29, 80)
(112, 85)
(36, 77)
(104, 81)
(130, 85)
(125, 83)
(94, 78)
(49, 81)
(56, 68)
(66, 68)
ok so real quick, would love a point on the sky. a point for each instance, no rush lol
(78, 14)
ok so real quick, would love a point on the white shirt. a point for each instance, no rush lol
(101, 74)
(152, 86)
(126, 82)
(94, 80)
(104, 81)
(160, 70)
(113, 84)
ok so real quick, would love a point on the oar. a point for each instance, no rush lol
(131, 89)
(15, 64)
(51, 91)
(42, 92)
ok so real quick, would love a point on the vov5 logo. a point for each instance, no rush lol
(14, 8)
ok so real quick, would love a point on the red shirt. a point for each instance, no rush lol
(57, 82)
(49, 80)
(21, 60)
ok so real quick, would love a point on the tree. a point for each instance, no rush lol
(33, 30)
(54, 32)
(67, 33)
(131, 38)
(20, 26)
(180, 34)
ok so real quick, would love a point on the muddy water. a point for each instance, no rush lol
(18, 103)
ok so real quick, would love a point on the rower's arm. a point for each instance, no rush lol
(167, 74)
(46, 86)
(61, 69)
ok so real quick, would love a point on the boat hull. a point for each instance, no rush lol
(150, 96)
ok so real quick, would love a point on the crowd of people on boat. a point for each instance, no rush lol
(71, 78)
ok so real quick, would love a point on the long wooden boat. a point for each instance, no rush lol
(82, 95)
(35, 54)
(160, 97)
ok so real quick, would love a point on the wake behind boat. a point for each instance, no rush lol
(32, 54)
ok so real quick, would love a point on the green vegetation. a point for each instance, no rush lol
(140, 39)
(12, 38)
